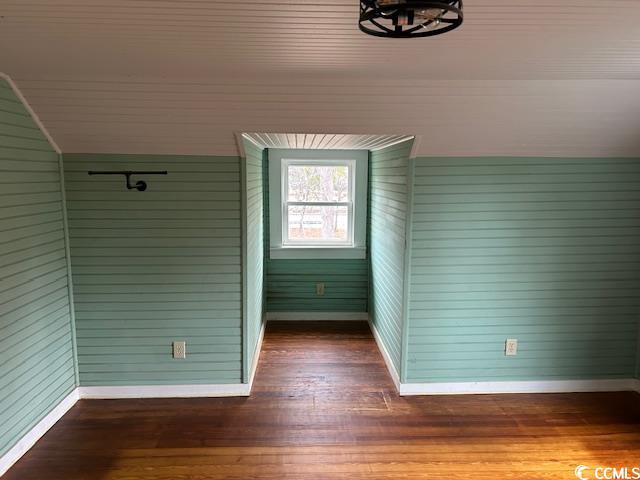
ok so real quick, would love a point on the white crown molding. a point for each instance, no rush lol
(33, 114)
(313, 316)
(417, 140)
(32, 436)
(542, 386)
(385, 355)
(240, 139)
(391, 144)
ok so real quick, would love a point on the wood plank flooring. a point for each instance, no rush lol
(324, 407)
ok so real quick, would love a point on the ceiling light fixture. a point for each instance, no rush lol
(409, 18)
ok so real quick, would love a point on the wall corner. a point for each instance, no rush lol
(407, 268)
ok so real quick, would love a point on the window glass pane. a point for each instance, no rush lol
(318, 223)
(318, 183)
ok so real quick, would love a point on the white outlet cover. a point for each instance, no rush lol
(179, 349)
(511, 347)
(320, 289)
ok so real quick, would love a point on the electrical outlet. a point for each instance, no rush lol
(511, 347)
(179, 349)
(320, 289)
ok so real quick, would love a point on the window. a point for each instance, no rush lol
(317, 207)
(317, 203)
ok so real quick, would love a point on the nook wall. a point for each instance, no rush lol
(390, 179)
(156, 266)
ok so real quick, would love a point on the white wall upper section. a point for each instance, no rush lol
(168, 76)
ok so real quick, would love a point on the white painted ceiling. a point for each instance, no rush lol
(520, 77)
(324, 141)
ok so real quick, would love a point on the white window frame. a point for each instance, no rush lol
(351, 173)
(355, 246)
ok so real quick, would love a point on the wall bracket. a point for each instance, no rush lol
(140, 185)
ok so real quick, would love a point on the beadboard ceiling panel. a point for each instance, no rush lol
(521, 77)
(324, 141)
(499, 39)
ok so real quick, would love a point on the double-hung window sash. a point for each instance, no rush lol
(318, 202)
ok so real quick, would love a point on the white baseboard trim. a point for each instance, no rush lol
(166, 391)
(302, 316)
(32, 436)
(385, 355)
(254, 366)
(544, 386)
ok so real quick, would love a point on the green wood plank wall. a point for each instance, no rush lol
(255, 252)
(36, 351)
(545, 250)
(291, 284)
(388, 184)
(156, 266)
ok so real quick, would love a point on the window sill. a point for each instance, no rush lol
(307, 252)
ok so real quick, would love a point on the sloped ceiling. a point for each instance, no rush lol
(520, 77)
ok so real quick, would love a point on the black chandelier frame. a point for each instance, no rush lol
(371, 11)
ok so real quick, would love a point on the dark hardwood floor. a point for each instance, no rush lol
(324, 407)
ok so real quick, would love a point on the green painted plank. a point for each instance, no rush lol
(145, 332)
(27, 132)
(38, 346)
(158, 323)
(28, 156)
(133, 358)
(138, 349)
(157, 378)
(225, 300)
(162, 288)
(219, 342)
(151, 252)
(523, 207)
(152, 242)
(27, 210)
(16, 119)
(150, 213)
(153, 197)
(157, 232)
(39, 145)
(175, 205)
(30, 242)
